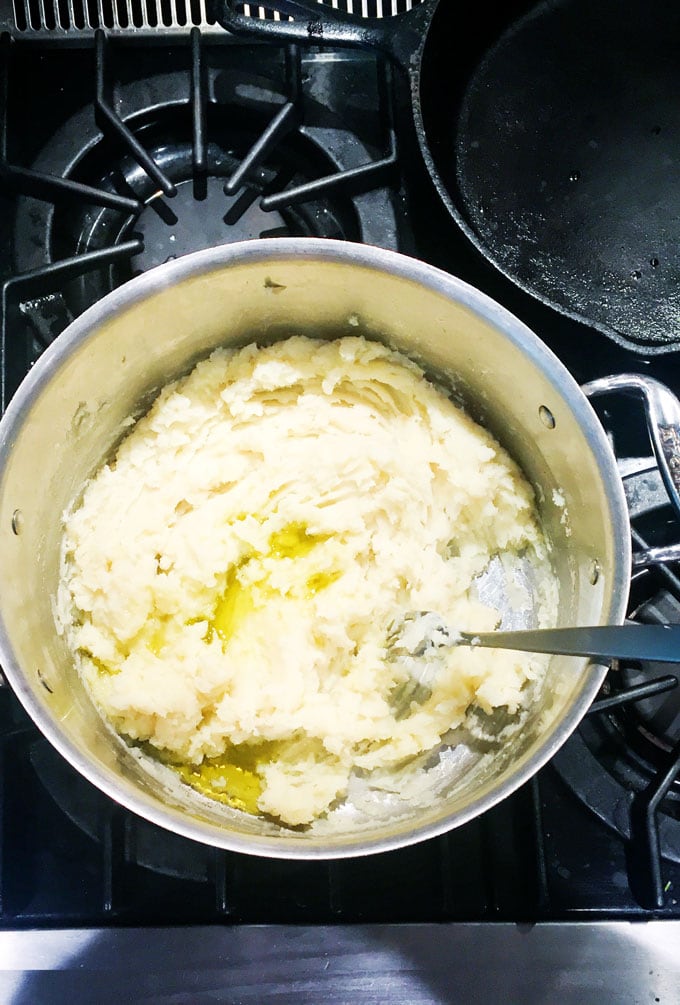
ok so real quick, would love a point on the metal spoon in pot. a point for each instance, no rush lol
(422, 632)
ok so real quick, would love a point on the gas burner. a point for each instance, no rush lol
(653, 724)
(202, 213)
(159, 166)
(144, 844)
(624, 760)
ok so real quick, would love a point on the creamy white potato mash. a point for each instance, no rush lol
(231, 578)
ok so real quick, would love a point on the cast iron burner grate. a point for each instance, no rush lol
(624, 760)
(200, 149)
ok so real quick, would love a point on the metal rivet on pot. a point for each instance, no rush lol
(546, 417)
(594, 572)
(17, 522)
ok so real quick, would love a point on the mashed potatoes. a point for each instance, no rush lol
(231, 578)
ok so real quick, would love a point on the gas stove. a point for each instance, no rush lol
(146, 142)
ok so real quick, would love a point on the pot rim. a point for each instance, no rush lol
(437, 281)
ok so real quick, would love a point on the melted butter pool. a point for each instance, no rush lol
(225, 779)
(294, 541)
(235, 605)
(238, 601)
(234, 777)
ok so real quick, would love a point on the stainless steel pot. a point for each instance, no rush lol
(71, 411)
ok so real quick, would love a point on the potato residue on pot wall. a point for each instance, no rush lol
(230, 579)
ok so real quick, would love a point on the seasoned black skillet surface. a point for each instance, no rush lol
(554, 130)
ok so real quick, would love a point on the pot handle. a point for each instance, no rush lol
(662, 409)
(399, 36)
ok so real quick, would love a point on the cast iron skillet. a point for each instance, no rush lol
(552, 134)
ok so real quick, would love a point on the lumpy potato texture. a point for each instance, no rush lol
(232, 578)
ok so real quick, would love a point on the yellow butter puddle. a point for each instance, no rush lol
(222, 779)
(294, 541)
(230, 778)
(233, 777)
(238, 602)
(233, 607)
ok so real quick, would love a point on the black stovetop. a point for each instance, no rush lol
(71, 857)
